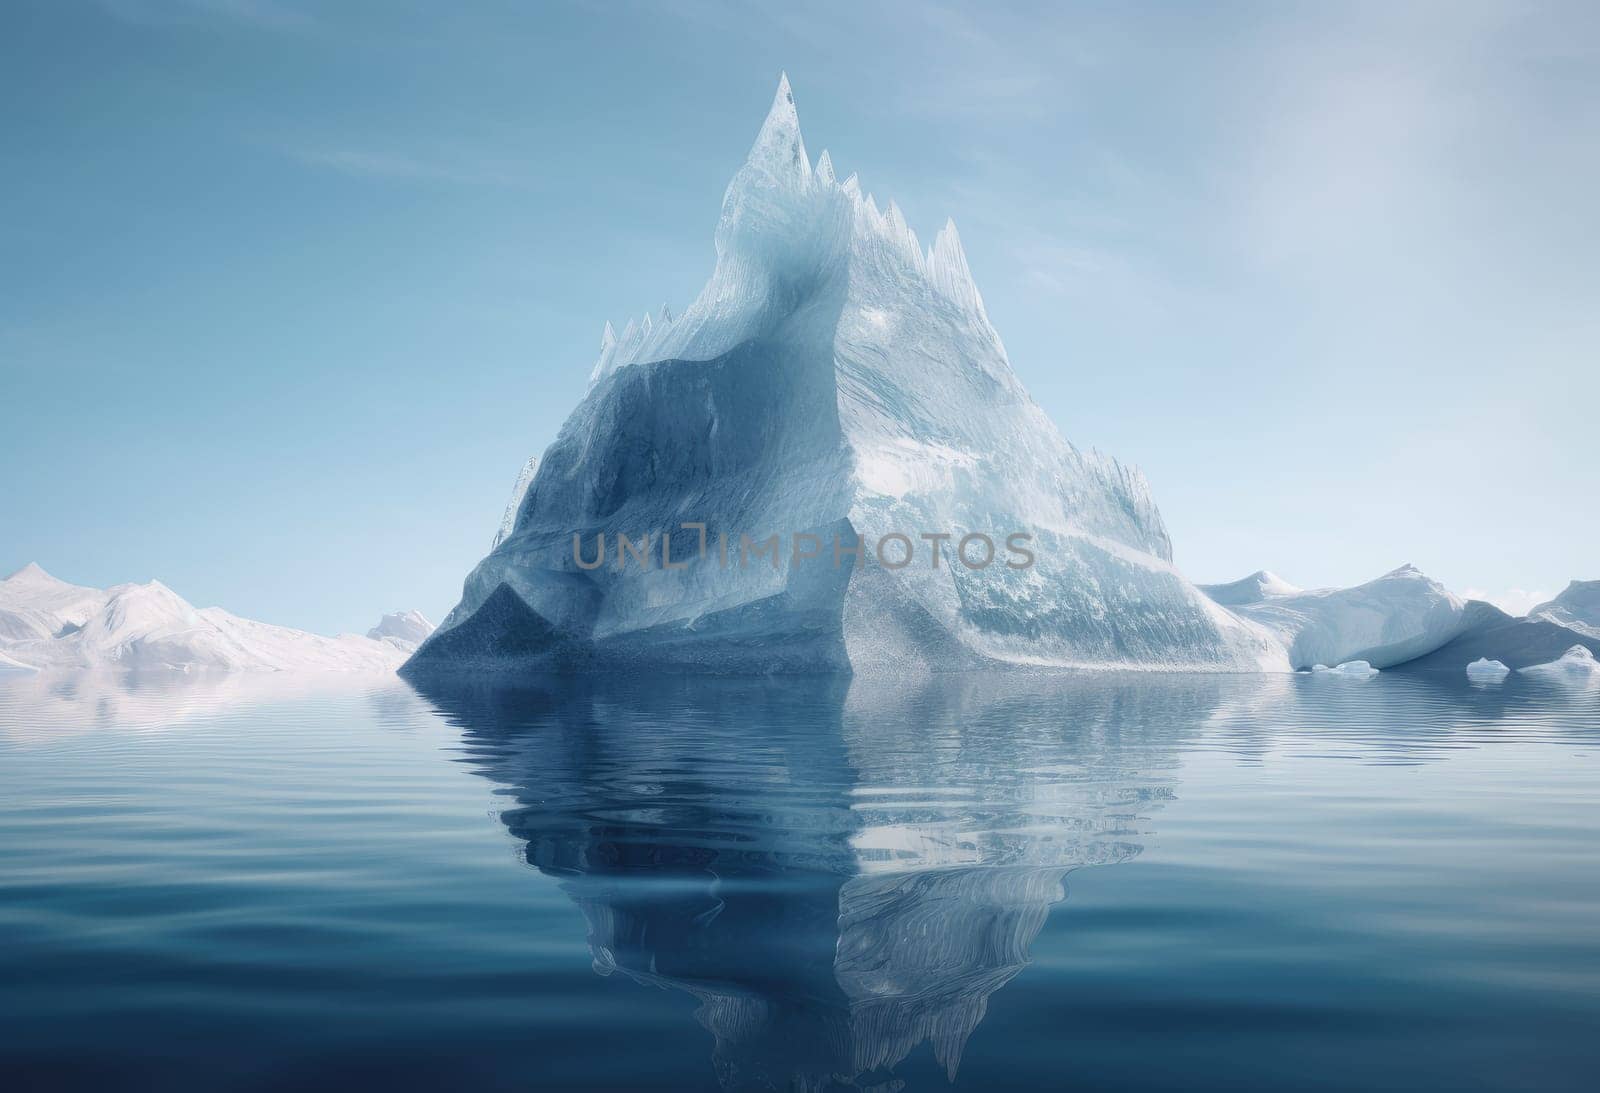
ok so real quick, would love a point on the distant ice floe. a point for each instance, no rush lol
(47, 623)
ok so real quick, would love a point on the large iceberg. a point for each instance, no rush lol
(1385, 622)
(47, 623)
(835, 385)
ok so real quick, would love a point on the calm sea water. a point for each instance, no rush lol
(1096, 882)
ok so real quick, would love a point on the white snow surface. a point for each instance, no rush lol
(1576, 666)
(1387, 621)
(833, 376)
(47, 623)
(1487, 670)
(1577, 608)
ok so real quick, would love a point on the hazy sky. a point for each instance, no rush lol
(290, 291)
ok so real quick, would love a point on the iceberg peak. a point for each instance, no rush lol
(948, 270)
(824, 171)
(779, 148)
(788, 234)
(1261, 585)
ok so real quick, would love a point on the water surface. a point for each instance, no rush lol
(1102, 882)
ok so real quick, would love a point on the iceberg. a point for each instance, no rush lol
(46, 623)
(1577, 608)
(1385, 622)
(404, 630)
(837, 398)
(34, 606)
(1488, 671)
(1576, 666)
(1488, 633)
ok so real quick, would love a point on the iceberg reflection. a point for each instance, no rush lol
(838, 871)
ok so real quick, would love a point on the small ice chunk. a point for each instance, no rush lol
(1350, 669)
(1486, 670)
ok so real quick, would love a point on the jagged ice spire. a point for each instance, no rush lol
(779, 197)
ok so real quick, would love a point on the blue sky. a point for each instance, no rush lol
(290, 291)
